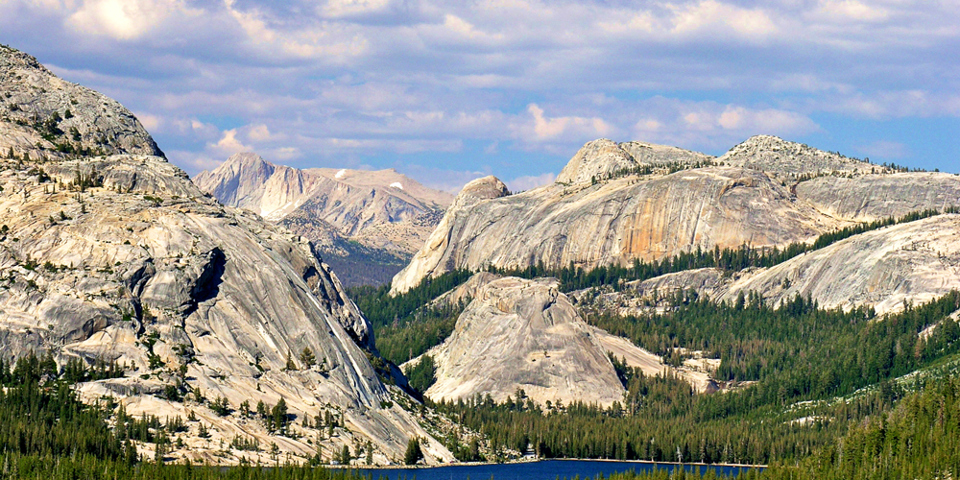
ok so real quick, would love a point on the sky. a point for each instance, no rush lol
(447, 91)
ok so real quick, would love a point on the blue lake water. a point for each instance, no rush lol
(544, 470)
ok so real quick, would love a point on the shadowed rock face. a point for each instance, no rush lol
(123, 258)
(47, 117)
(524, 334)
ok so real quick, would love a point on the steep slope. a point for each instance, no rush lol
(47, 117)
(523, 334)
(616, 221)
(122, 258)
(911, 262)
(872, 197)
(375, 220)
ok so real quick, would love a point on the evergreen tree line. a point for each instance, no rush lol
(46, 432)
(917, 439)
(798, 350)
(407, 326)
(795, 354)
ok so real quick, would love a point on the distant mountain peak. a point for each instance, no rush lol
(602, 159)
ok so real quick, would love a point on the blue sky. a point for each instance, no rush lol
(446, 91)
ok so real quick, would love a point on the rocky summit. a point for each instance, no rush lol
(120, 258)
(362, 221)
(614, 203)
(45, 116)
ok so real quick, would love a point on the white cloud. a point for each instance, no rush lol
(545, 128)
(529, 182)
(710, 125)
(121, 19)
(849, 10)
(326, 41)
(710, 15)
(229, 144)
(345, 8)
(151, 122)
(368, 80)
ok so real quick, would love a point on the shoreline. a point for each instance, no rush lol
(519, 462)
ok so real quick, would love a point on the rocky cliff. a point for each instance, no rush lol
(616, 221)
(375, 219)
(518, 334)
(872, 197)
(604, 159)
(122, 258)
(764, 192)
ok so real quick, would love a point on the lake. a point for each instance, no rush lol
(543, 470)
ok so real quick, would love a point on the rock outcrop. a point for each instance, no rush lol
(47, 117)
(371, 220)
(604, 159)
(122, 258)
(523, 334)
(615, 222)
(912, 262)
(764, 192)
(518, 334)
(791, 160)
(871, 197)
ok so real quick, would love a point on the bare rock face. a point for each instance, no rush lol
(354, 202)
(598, 215)
(382, 215)
(872, 197)
(524, 334)
(159, 276)
(47, 117)
(616, 221)
(122, 258)
(914, 262)
(603, 159)
(792, 160)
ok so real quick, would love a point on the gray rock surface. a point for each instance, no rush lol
(913, 262)
(603, 159)
(523, 334)
(791, 160)
(872, 197)
(764, 192)
(381, 209)
(47, 117)
(123, 258)
(616, 221)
